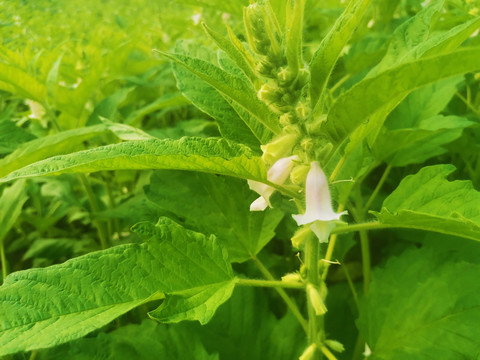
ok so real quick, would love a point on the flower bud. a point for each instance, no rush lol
(299, 174)
(286, 119)
(309, 352)
(314, 127)
(335, 345)
(301, 236)
(278, 148)
(269, 93)
(316, 300)
(285, 76)
(266, 69)
(302, 110)
(292, 278)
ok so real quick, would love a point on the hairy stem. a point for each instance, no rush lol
(94, 205)
(270, 284)
(290, 303)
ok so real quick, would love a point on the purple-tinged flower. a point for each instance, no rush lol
(318, 204)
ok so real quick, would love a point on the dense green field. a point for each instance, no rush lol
(193, 179)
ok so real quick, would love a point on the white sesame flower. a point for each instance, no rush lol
(318, 204)
(277, 174)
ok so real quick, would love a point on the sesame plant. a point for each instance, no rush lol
(287, 180)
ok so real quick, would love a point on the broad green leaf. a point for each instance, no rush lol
(12, 136)
(326, 56)
(234, 124)
(414, 38)
(406, 38)
(11, 202)
(47, 146)
(387, 89)
(145, 341)
(427, 201)
(423, 305)
(200, 201)
(414, 132)
(235, 50)
(423, 104)
(45, 307)
(415, 145)
(198, 154)
(230, 332)
(230, 86)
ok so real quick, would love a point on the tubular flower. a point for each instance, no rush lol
(318, 204)
(277, 174)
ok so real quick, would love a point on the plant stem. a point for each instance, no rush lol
(290, 303)
(94, 205)
(315, 322)
(366, 262)
(270, 283)
(370, 225)
(328, 353)
(378, 187)
(4, 261)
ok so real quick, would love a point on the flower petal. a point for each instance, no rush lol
(259, 205)
(318, 200)
(280, 171)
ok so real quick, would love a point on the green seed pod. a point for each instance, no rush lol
(335, 345)
(316, 300)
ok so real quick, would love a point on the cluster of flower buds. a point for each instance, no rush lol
(285, 84)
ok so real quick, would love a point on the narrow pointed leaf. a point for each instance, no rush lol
(199, 154)
(11, 203)
(230, 87)
(326, 56)
(239, 56)
(47, 146)
(44, 307)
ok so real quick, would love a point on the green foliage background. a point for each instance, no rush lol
(146, 221)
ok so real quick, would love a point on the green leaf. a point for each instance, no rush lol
(423, 305)
(387, 89)
(23, 84)
(295, 24)
(235, 124)
(45, 307)
(11, 202)
(235, 50)
(148, 340)
(108, 106)
(231, 87)
(230, 331)
(200, 201)
(198, 154)
(12, 136)
(415, 145)
(414, 38)
(408, 37)
(427, 201)
(47, 146)
(326, 56)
